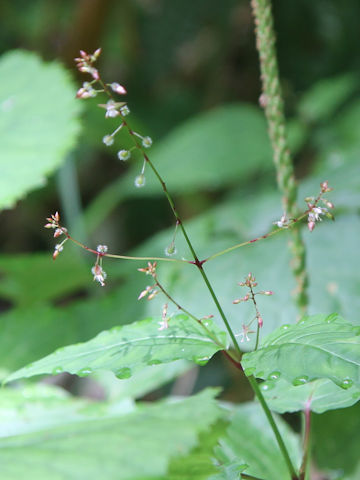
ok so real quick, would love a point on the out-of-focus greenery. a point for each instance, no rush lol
(191, 71)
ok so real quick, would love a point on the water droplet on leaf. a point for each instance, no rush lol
(285, 327)
(267, 386)
(57, 370)
(249, 371)
(84, 372)
(274, 375)
(123, 373)
(346, 383)
(300, 380)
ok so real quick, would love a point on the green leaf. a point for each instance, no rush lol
(38, 123)
(49, 435)
(126, 349)
(250, 441)
(319, 395)
(326, 96)
(336, 440)
(319, 346)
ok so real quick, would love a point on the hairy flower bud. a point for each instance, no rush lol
(124, 155)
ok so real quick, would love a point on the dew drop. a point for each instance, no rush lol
(300, 380)
(57, 370)
(356, 395)
(154, 361)
(84, 372)
(274, 375)
(123, 373)
(202, 360)
(249, 371)
(266, 386)
(346, 383)
(285, 327)
(302, 322)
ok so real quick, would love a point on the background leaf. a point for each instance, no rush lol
(46, 435)
(38, 124)
(250, 440)
(129, 348)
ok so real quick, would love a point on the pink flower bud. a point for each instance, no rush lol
(238, 300)
(268, 292)
(260, 321)
(117, 88)
(311, 226)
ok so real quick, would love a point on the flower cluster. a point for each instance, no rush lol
(54, 223)
(85, 63)
(250, 282)
(314, 211)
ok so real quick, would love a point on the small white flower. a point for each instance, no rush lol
(125, 110)
(282, 222)
(111, 109)
(99, 274)
(170, 249)
(124, 155)
(102, 248)
(140, 181)
(108, 140)
(117, 88)
(147, 142)
(59, 248)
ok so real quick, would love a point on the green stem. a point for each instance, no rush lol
(274, 427)
(271, 100)
(307, 440)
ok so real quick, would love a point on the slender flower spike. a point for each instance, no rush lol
(99, 274)
(117, 88)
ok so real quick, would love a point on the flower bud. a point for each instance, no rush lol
(260, 321)
(311, 226)
(170, 249)
(117, 88)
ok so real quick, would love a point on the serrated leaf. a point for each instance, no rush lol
(125, 349)
(319, 346)
(46, 435)
(38, 122)
(319, 395)
(250, 440)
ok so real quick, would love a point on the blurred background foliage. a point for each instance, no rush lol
(192, 75)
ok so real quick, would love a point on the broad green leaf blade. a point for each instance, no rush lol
(336, 441)
(319, 346)
(49, 436)
(250, 441)
(126, 349)
(321, 395)
(38, 122)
